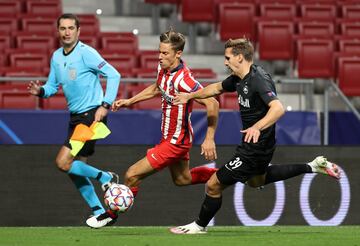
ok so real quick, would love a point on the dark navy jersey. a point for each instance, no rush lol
(255, 91)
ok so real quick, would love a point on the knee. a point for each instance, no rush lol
(63, 164)
(213, 189)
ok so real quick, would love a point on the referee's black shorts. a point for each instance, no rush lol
(245, 164)
(86, 118)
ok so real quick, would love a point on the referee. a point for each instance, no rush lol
(76, 67)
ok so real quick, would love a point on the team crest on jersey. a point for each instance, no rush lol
(170, 86)
(246, 89)
(72, 73)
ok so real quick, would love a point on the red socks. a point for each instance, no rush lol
(112, 214)
(202, 174)
(134, 190)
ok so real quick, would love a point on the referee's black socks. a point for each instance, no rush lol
(208, 210)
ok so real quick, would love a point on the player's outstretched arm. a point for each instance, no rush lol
(121, 103)
(146, 94)
(276, 110)
(208, 147)
(208, 91)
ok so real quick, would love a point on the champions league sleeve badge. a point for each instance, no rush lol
(271, 94)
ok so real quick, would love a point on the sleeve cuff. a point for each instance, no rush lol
(105, 105)
(42, 92)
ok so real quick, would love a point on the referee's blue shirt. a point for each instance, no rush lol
(78, 73)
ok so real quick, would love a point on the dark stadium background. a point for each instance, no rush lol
(34, 193)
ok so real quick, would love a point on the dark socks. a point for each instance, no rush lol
(281, 172)
(208, 210)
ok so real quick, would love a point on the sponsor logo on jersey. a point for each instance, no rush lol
(168, 98)
(244, 102)
(271, 94)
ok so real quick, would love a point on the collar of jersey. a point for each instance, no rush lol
(252, 68)
(180, 66)
(71, 49)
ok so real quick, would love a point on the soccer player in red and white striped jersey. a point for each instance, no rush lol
(177, 133)
(176, 126)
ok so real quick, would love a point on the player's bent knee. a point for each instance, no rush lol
(63, 164)
(213, 189)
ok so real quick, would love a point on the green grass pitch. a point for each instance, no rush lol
(160, 236)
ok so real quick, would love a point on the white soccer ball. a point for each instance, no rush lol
(119, 198)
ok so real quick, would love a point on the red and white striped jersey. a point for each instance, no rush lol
(176, 125)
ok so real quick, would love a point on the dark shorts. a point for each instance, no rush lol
(86, 118)
(246, 163)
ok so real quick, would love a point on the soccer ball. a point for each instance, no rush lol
(119, 198)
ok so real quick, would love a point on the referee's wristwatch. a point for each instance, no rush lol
(105, 105)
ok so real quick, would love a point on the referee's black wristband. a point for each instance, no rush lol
(42, 92)
(105, 105)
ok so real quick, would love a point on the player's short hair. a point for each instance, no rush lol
(71, 17)
(176, 39)
(241, 46)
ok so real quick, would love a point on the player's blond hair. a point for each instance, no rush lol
(176, 39)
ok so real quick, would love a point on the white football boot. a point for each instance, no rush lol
(321, 165)
(191, 228)
(105, 219)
